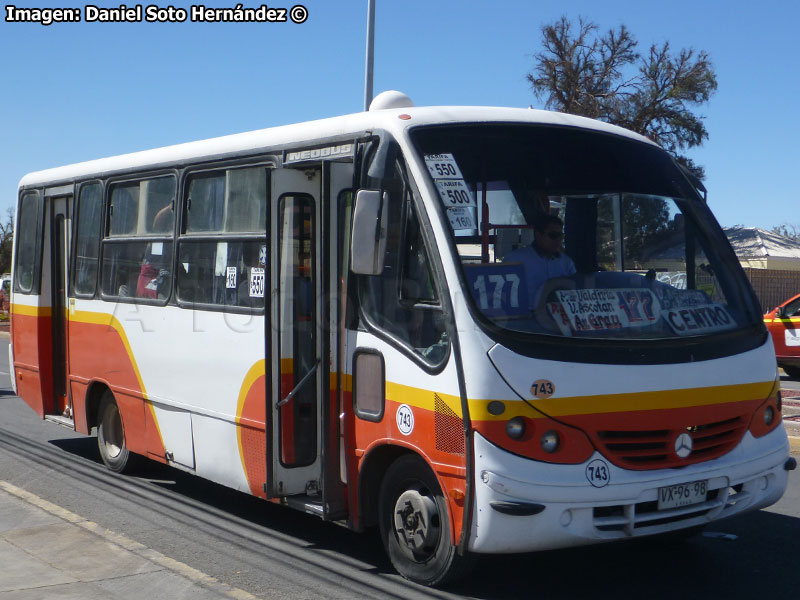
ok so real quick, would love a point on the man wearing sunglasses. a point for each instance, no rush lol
(545, 258)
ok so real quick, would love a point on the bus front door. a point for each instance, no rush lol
(295, 341)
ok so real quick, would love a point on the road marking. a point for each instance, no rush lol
(128, 544)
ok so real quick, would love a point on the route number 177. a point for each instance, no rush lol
(495, 291)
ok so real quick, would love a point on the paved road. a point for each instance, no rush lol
(789, 384)
(274, 552)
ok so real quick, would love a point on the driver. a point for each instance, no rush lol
(545, 258)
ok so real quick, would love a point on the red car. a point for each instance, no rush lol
(784, 325)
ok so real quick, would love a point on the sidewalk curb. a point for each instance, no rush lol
(128, 544)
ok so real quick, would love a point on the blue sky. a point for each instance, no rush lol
(74, 92)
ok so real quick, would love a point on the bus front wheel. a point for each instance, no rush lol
(111, 436)
(414, 525)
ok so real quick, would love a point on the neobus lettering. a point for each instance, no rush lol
(43, 16)
(319, 153)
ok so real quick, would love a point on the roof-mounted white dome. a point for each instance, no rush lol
(390, 99)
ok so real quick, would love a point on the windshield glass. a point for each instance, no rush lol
(567, 232)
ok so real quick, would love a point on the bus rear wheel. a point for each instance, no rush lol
(414, 524)
(111, 436)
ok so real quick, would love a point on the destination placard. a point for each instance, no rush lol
(580, 311)
(699, 319)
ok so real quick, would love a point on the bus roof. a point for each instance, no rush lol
(252, 142)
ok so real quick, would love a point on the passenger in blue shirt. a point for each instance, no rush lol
(545, 258)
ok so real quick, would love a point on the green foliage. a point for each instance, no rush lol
(604, 77)
(6, 242)
(645, 222)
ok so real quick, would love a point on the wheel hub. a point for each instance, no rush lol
(112, 432)
(416, 521)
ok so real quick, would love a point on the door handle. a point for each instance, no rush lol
(299, 386)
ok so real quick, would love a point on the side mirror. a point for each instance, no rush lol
(781, 313)
(368, 235)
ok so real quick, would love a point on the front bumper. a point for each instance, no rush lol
(567, 510)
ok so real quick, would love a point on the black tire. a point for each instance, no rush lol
(793, 372)
(429, 558)
(111, 436)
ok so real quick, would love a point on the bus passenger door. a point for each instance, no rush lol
(60, 221)
(299, 378)
(337, 189)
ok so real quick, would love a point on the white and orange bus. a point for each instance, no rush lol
(323, 315)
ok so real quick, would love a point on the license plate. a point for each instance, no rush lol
(683, 494)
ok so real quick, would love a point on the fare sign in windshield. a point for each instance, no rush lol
(453, 190)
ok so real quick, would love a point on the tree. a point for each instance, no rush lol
(604, 77)
(6, 241)
(789, 230)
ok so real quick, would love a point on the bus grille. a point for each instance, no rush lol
(644, 517)
(654, 449)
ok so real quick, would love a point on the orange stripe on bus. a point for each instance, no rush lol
(31, 311)
(628, 402)
(109, 320)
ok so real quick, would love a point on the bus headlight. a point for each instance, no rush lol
(769, 416)
(515, 428)
(550, 442)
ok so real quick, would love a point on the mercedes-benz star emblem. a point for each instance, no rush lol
(683, 445)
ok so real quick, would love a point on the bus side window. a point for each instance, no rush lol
(137, 251)
(28, 240)
(87, 238)
(403, 300)
(222, 248)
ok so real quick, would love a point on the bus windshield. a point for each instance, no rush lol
(573, 233)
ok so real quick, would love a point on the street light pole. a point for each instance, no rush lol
(370, 53)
